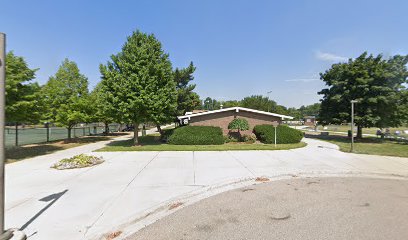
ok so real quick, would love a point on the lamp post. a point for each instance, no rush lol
(352, 124)
(2, 124)
(4, 235)
(268, 98)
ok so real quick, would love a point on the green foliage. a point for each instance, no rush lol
(211, 104)
(66, 98)
(284, 134)
(166, 133)
(262, 103)
(239, 124)
(197, 135)
(78, 161)
(230, 103)
(139, 82)
(378, 85)
(103, 111)
(248, 138)
(22, 96)
(187, 99)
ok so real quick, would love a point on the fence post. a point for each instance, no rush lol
(83, 131)
(48, 131)
(16, 134)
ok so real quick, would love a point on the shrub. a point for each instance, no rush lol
(197, 135)
(239, 124)
(166, 133)
(248, 138)
(284, 134)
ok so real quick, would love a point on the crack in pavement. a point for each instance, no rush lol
(118, 196)
(236, 159)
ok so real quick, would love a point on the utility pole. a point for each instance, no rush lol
(352, 124)
(2, 124)
(4, 235)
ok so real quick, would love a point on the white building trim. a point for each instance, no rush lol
(236, 109)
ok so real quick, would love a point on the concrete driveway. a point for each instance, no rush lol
(132, 189)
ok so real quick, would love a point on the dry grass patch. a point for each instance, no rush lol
(175, 205)
(113, 235)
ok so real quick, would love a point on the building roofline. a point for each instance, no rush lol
(237, 109)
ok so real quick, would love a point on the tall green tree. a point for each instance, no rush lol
(187, 99)
(22, 95)
(66, 97)
(103, 111)
(310, 110)
(231, 103)
(211, 104)
(376, 83)
(139, 82)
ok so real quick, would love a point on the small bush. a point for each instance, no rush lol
(197, 135)
(284, 134)
(239, 124)
(248, 138)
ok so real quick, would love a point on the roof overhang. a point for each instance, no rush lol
(236, 109)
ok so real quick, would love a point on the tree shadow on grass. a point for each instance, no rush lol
(18, 153)
(14, 154)
(83, 140)
(143, 140)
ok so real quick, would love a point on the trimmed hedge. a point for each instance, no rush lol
(197, 135)
(284, 134)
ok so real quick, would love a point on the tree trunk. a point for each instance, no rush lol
(69, 133)
(106, 129)
(136, 134)
(359, 132)
(159, 129)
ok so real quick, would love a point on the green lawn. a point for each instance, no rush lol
(345, 128)
(367, 145)
(14, 154)
(152, 143)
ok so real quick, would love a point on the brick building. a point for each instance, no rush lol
(222, 117)
(310, 120)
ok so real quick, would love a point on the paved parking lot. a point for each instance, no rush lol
(300, 208)
(85, 203)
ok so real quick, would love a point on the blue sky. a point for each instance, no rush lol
(240, 48)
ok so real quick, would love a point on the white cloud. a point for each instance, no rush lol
(302, 80)
(330, 57)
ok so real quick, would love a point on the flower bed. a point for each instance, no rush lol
(78, 161)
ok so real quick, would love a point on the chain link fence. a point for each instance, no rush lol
(31, 135)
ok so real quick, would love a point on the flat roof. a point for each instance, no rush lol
(237, 109)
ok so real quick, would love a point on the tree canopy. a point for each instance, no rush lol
(139, 82)
(376, 83)
(66, 98)
(22, 104)
(239, 124)
(187, 99)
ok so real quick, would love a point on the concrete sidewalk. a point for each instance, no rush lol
(85, 203)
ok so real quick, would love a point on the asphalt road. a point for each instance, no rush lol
(309, 208)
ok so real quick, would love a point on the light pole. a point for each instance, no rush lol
(4, 235)
(2, 124)
(352, 124)
(269, 92)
